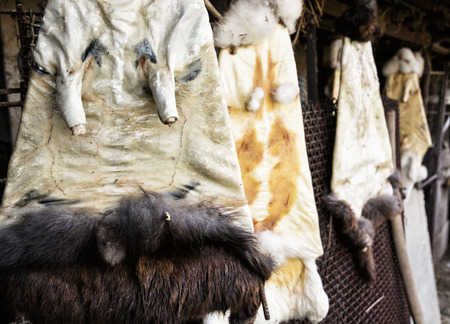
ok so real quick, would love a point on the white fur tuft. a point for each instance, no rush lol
(246, 22)
(255, 99)
(288, 11)
(285, 93)
(412, 171)
(391, 66)
(336, 54)
(405, 61)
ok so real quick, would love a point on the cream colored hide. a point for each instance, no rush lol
(362, 158)
(415, 137)
(120, 68)
(268, 130)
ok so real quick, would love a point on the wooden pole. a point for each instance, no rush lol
(213, 10)
(399, 242)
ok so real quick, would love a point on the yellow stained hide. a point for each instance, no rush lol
(126, 145)
(271, 150)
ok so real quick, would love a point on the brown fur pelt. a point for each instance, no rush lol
(359, 22)
(359, 232)
(153, 260)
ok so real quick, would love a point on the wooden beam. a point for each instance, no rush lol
(334, 8)
(403, 34)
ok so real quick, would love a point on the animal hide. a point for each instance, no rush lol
(251, 21)
(116, 68)
(272, 155)
(152, 260)
(362, 158)
(365, 191)
(405, 61)
(402, 84)
(359, 232)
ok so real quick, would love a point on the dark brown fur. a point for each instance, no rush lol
(360, 232)
(165, 271)
(359, 22)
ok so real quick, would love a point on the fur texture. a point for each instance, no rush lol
(285, 93)
(255, 99)
(246, 22)
(295, 289)
(359, 22)
(251, 21)
(50, 237)
(288, 11)
(412, 170)
(167, 261)
(359, 232)
(405, 61)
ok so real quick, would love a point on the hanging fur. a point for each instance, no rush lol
(251, 21)
(359, 22)
(152, 260)
(359, 232)
(405, 61)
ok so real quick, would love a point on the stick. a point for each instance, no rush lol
(213, 10)
(262, 294)
(399, 242)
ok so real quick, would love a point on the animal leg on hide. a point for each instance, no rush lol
(382, 208)
(359, 233)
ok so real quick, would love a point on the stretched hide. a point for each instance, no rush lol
(262, 95)
(362, 158)
(152, 260)
(402, 84)
(140, 79)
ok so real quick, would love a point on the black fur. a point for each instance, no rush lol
(167, 261)
(49, 237)
(359, 22)
(359, 232)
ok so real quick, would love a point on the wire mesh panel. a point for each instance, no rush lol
(28, 23)
(352, 300)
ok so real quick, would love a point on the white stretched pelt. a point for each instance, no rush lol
(415, 137)
(140, 79)
(362, 159)
(262, 95)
